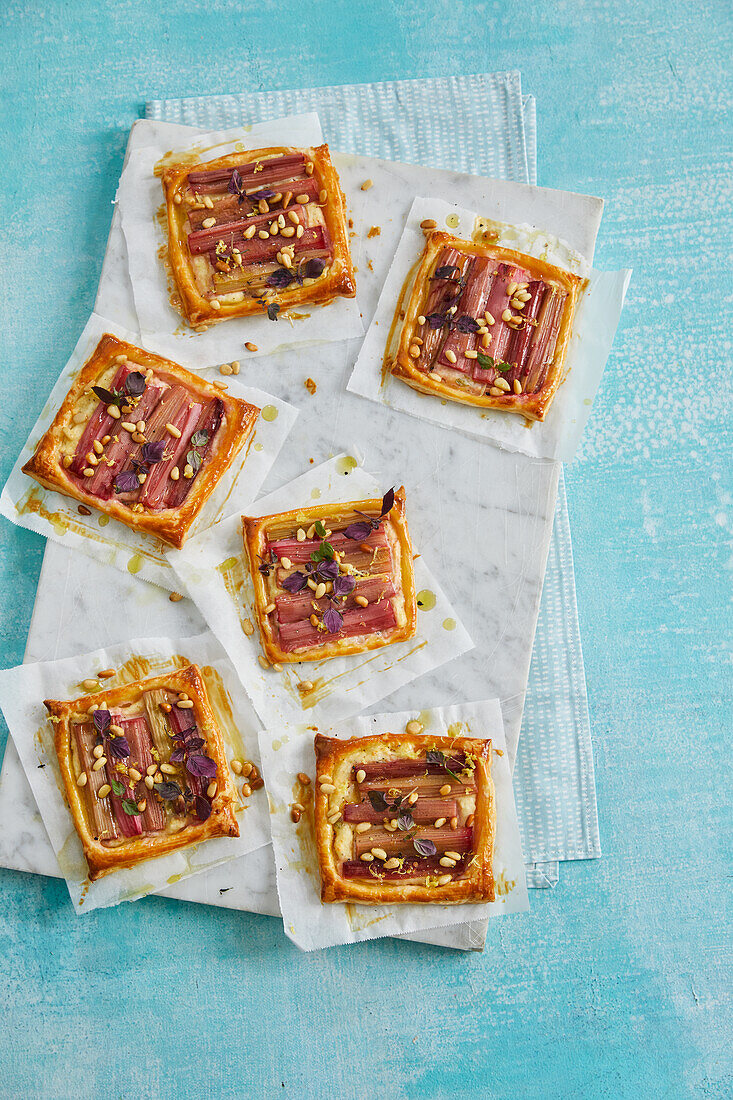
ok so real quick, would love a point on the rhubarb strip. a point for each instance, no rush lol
(255, 249)
(293, 608)
(470, 305)
(300, 552)
(176, 491)
(425, 810)
(102, 821)
(542, 348)
(158, 722)
(139, 739)
(411, 869)
(99, 424)
(182, 721)
(396, 769)
(364, 620)
(121, 447)
(155, 487)
(227, 208)
(501, 333)
(128, 824)
(520, 342)
(204, 240)
(269, 169)
(444, 292)
(399, 843)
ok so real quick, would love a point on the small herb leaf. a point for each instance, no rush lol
(296, 582)
(424, 848)
(168, 791)
(117, 787)
(333, 620)
(101, 720)
(445, 272)
(126, 482)
(378, 801)
(272, 311)
(130, 808)
(135, 383)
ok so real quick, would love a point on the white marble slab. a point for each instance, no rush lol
(489, 557)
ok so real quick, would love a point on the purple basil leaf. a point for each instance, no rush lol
(333, 620)
(343, 585)
(435, 320)
(118, 747)
(195, 743)
(178, 754)
(184, 734)
(272, 311)
(153, 452)
(280, 278)
(126, 482)
(265, 193)
(235, 186)
(203, 807)
(467, 324)
(135, 383)
(168, 791)
(405, 822)
(435, 756)
(311, 269)
(445, 272)
(101, 720)
(200, 438)
(105, 395)
(296, 582)
(358, 531)
(387, 501)
(328, 570)
(424, 847)
(201, 765)
(378, 801)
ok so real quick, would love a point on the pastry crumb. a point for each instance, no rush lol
(374, 231)
(310, 385)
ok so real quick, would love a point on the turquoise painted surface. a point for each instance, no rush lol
(615, 985)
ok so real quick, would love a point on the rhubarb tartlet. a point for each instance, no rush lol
(256, 232)
(144, 770)
(404, 818)
(332, 580)
(486, 326)
(142, 439)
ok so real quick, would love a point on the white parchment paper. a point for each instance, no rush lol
(25, 502)
(22, 691)
(140, 198)
(311, 924)
(596, 319)
(212, 570)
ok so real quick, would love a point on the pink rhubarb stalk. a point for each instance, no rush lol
(399, 843)
(272, 168)
(140, 742)
(122, 447)
(443, 293)
(501, 333)
(128, 824)
(471, 305)
(209, 421)
(363, 620)
(542, 348)
(396, 769)
(227, 208)
(411, 869)
(101, 819)
(300, 552)
(154, 491)
(99, 424)
(425, 810)
(292, 608)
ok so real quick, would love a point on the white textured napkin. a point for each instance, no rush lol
(481, 124)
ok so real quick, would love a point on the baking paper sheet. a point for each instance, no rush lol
(140, 200)
(22, 691)
(597, 316)
(25, 502)
(212, 570)
(311, 924)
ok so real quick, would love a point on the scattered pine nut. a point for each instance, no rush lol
(149, 782)
(367, 184)
(379, 853)
(328, 788)
(414, 727)
(300, 535)
(517, 386)
(134, 775)
(246, 790)
(440, 821)
(454, 855)
(99, 764)
(185, 704)
(247, 768)
(167, 769)
(175, 474)
(450, 356)
(304, 779)
(90, 685)
(225, 369)
(105, 673)
(305, 686)
(428, 223)
(366, 857)
(212, 789)
(446, 862)
(175, 597)
(295, 814)
(152, 769)
(443, 880)
(250, 346)
(236, 767)
(248, 628)
(263, 661)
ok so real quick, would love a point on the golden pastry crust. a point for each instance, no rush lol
(338, 281)
(130, 851)
(533, 406)
(257, 532)
(172, 525)
(335, 760)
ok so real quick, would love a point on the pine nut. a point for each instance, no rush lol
(246, 790)
(175, 474)
(98, 447)
(305, 685)
(134, 775)
(470, 820)
(412, 798)
(309, 168)
(249, 232)
(299, 233)
(250, 346)
(414, 727)
(269, 609)
(302, 198)
(365, 186)
(99, 764)
(167, 769)
(89, 472)
(208, 202)
(116, 730)
(304, 779)
(439, 822)
(174, 431)
(158, 777)
(314, 620)
(225, 369)
(445, 789)
(390, 826)
(152, 769)
(362, 601)
(454, 855)
(490, 320)
(446, 862)
(293, 216)
(517, 386)
(208, 223)
(104, 790)
(471, 354)
(510, 289)
(320, 590)
(142, 805)
(502, 384)
(360, 775)
(300, 535)
(114, 412)
(333, 818)
(90, 685)
(437, 378)
(67, 460)
(97, 751)
(81, 779)
(391, 864)
(188, 471)
(450, 356)
(443, 880)
(149, 782)
(379, 853)
(178, 199)
(454, 823)
(328, 788)
(185, 704)
(247, 768)
(507, 315)
(295, 814)
(428, 223)
(212, 789)
(414, 351)
(128, 426)
(363, 827)
(496, 392)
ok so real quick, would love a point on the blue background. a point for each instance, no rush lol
(615, 984)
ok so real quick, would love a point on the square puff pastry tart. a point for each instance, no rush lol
(161, 750)
(255, 231)
(405, 818)
(485, 326)
(148, 447)
(333, 579)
